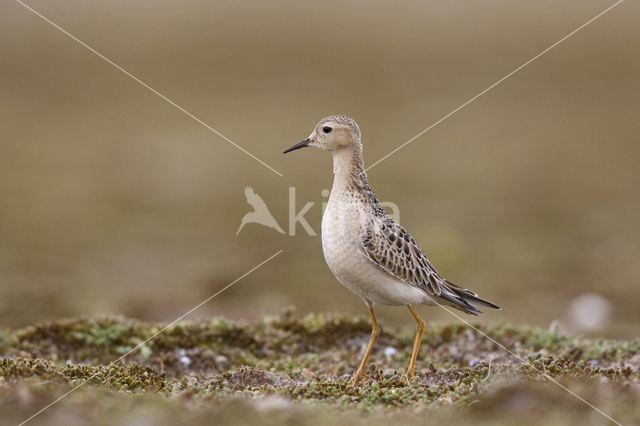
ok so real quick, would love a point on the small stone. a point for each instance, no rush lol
(221, 361)
(390, 351)
(591, 311)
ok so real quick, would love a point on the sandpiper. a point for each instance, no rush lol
(367, 251)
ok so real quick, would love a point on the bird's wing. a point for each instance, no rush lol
(248, 192)
(394, 251)
(256, 201)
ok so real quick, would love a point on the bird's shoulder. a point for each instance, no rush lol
(394, 250)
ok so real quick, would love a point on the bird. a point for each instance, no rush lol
(368, 251)
(260, 214)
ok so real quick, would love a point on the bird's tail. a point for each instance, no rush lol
(469, 296)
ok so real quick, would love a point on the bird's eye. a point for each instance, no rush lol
(327, 129)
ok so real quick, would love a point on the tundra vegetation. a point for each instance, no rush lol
(294, 370)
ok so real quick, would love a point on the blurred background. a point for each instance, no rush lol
(112, 201)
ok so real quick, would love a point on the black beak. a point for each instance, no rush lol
(301, 144)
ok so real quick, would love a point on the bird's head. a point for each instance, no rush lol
(333, 134)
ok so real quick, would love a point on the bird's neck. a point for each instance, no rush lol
(348, 168)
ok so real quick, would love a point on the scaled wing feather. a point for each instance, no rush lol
(393, 250)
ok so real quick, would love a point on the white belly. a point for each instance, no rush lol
(343, 226)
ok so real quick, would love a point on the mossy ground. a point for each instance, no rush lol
(290, 370)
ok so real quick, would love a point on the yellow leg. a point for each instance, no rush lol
(420, 330)
(375, 332)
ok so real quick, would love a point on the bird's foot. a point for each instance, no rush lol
(358, 378)
(411, 373)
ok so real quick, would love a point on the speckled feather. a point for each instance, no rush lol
(390, 247)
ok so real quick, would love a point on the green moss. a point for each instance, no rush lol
(133, 378)
(116, 376)
(13, 371)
